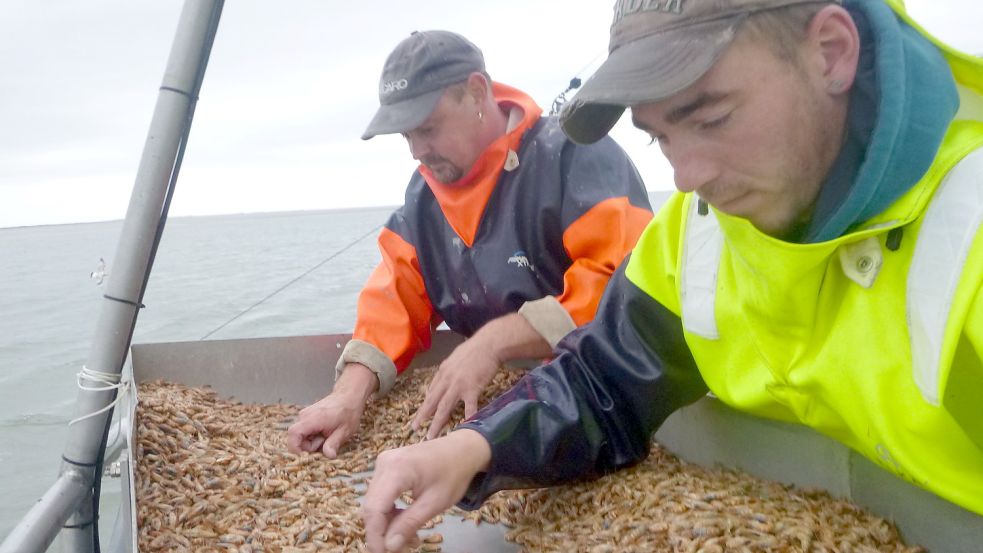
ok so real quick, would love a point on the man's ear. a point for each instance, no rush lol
(478, 87)
(835, 43)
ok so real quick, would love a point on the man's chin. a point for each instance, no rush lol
(446, 177)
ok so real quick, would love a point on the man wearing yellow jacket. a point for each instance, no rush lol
(823, 264)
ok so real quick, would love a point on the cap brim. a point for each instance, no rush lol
(403, 116)
(646, 70)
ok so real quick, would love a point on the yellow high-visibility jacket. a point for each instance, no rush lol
(875, 343)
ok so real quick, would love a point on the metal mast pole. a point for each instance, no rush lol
(69, 501)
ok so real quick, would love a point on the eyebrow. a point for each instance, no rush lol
(703, 100)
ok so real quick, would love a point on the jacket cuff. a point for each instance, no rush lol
(358, 351)
(483, 485)
(549, 318)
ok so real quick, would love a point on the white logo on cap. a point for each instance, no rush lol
(392, 86)
(627, 7)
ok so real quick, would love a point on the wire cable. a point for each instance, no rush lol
(575, 82)
(288, 284)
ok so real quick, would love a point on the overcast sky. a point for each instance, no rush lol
(290, 87)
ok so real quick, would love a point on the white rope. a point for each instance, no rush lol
(111, 381)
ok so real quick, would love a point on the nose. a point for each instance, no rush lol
(418, 147)
(693, 169)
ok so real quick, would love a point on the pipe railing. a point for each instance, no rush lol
(68, 504)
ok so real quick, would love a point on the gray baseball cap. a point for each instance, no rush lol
(657, 49)
(415, 76)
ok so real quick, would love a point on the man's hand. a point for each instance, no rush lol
(327, 424)
(437, 473)
(472, 365)
(459, 378)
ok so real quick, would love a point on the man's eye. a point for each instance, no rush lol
(715, 123)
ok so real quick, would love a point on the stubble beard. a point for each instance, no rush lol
(445, 171)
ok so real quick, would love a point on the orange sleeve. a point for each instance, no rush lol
(597, 243)
(394, 311)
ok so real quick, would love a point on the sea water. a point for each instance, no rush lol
(303, 269)
(218, 277)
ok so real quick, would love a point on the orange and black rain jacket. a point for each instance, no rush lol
(556, 223)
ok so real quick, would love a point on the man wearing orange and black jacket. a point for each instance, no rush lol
(509, 234)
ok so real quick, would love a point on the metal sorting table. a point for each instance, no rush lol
(299, 370)
(255, 371)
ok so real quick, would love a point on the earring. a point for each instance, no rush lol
(480, 116)
(836, 85)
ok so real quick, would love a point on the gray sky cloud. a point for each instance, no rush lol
(289, 89)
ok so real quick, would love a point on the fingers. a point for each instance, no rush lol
(442, 415)
(300, 436)
(400, 543)
(293, 442)
(314, 443)
(390, 529)
(334, 442)
(453, 383)
(470, 405)
(404, 525)
(378, 508)
(435, 393)
(376, 523)
(308, 435)
(437, 473)
(445, 404)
